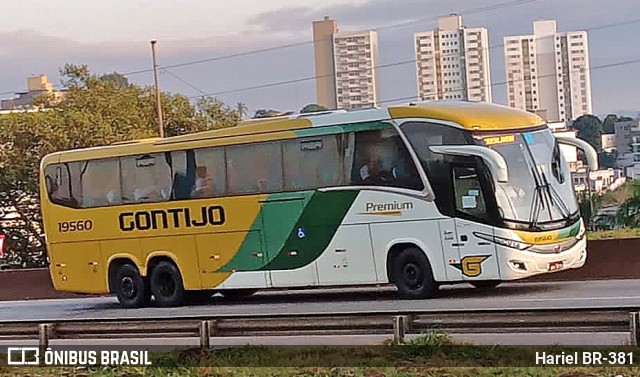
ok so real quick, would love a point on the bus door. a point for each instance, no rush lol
(279, 217)
(477, 258)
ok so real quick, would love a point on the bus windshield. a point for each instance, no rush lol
(539, 193)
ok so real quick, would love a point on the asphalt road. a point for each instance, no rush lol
(605, 293)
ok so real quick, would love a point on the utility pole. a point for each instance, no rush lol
(158, 101)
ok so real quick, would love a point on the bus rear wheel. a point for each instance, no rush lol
(412, 274)
(132, 289)
(166, 285)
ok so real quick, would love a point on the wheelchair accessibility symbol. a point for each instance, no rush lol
(301, 233)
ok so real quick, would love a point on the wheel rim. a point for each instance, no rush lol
(128, 287)
(166, 285)
(413, 276)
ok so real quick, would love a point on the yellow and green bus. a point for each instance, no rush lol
(417, 196)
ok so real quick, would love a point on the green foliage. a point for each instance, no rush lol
(628, 214)
(425, 345)
(312, 108)
(264, 113)
(117, 79)
(242, 109)
(608, 125)
(589, 205)
(589, 128)
(95, 111)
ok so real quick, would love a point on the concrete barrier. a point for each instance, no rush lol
(607, 259)
(29, 284)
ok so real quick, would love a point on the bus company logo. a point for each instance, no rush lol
(543, 238)
(388, 209)
(171, 218)
(471, 266)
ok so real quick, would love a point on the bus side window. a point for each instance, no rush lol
(101, 183)
(145, 179)
(313, 162)
(210, 178)
(62, 183)
(254, 168)
(382, 159)
(469, 198)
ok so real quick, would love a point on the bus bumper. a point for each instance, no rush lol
(518, 264)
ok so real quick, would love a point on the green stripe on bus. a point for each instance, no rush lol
(569, 232)
(314, 230)
(352, 127)
(277, 216)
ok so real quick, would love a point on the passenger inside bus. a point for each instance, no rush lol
(202, 187)
(387, 162)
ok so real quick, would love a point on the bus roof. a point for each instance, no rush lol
(477, 116)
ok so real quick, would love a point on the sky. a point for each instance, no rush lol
(38, 37)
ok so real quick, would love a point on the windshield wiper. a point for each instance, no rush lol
(538, 201)
(554, 194)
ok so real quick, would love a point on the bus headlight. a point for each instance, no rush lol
(518, 245)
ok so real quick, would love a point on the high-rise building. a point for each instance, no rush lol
(346, 74)
(548, 72)
(452, 62)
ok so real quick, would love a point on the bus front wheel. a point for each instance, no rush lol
(412, 274)
(132, 289)
(166, 285)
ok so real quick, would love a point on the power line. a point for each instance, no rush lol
(394, 64)
(183, 81)
(296, 44)
(500, 83)
(470, 11)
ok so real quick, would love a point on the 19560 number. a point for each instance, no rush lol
(75, 226)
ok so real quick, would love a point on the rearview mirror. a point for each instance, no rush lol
(589, 151)
(494, 160)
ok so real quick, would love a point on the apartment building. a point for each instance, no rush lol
(548, 72)
(345, 62)
(36, 86)
(452, 62)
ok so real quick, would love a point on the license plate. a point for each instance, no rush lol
(553, 266)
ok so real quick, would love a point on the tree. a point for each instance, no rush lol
(95, 111)
(312, 108)
(608, 125)
(116, 78)
(242, 109)
(589, 128)
(263, 113)
(588, 205)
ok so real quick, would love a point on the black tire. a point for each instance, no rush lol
(132, 289)
(235, 294)
(412, 274)
(166, 285)
(485, 284)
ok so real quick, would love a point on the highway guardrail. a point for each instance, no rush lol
(398, 324)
